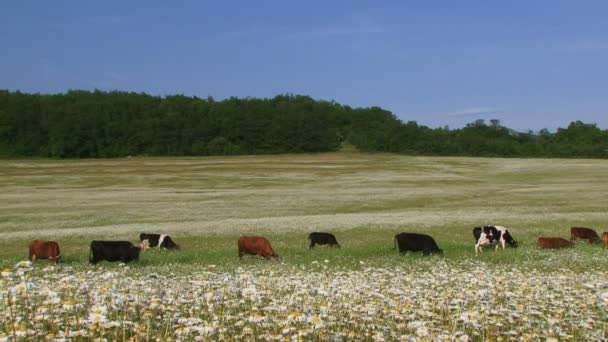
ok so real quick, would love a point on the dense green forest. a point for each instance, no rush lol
(84, 124)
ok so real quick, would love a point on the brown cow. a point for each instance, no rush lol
(553, 243)
(605, 238)
(41, 249)
(256, 245)
(585, 234)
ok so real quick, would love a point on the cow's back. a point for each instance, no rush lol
(583, 233)
(553, 243)
(113, 251)
(415, 242)
(322, 238)
(255, 245)
(41, 249)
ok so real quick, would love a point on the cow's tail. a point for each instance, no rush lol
(91, 254)
(395, 242)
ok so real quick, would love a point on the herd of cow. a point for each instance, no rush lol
(485, 236)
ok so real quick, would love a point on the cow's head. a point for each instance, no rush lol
(134, 253)
(144, 244)
(509, 239)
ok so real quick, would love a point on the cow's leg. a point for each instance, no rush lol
(312, 244)
(33, 257)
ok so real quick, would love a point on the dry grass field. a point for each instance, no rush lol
(364, 291)
(292, 195)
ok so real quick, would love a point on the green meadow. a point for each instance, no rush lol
(205, 204)
(364, 291)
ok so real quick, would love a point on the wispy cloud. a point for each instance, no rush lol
(475, 111)
(107, 20)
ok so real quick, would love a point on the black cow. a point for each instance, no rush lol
(492, 235)
(416, 243)
(157, 240)
(113, 251)
(322, 239)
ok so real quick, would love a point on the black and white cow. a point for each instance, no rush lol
(157, 240)
(318, 238)
(416, 243)
(113, 251)
(492, 236)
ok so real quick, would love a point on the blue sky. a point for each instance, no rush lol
(530, 64)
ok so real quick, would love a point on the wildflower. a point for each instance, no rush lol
(249, 291)
(68, 305)
(422, 331)
(257, 318)
(20, 288)
(315, 321)
(296, 316)
(7, 273)
(97, 314)
(21, 332)
(25, 264)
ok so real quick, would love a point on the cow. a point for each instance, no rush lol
(41, 249)
(156, 240)
(123, 251)
(256, 245)
(605, 239)
(318, 238)
(492, 235)
(416, 243)
(553, 243)
(585, 234)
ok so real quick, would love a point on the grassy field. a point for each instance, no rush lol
(365, 199)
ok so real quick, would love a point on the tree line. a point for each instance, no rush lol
(99, 124)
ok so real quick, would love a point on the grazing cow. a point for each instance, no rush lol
(585, 234)
(492, 235)
(256, 245)
(113, 251)
(553, 243)
(41, 249)
(322, 239)
(416, 243)
(157, 240)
